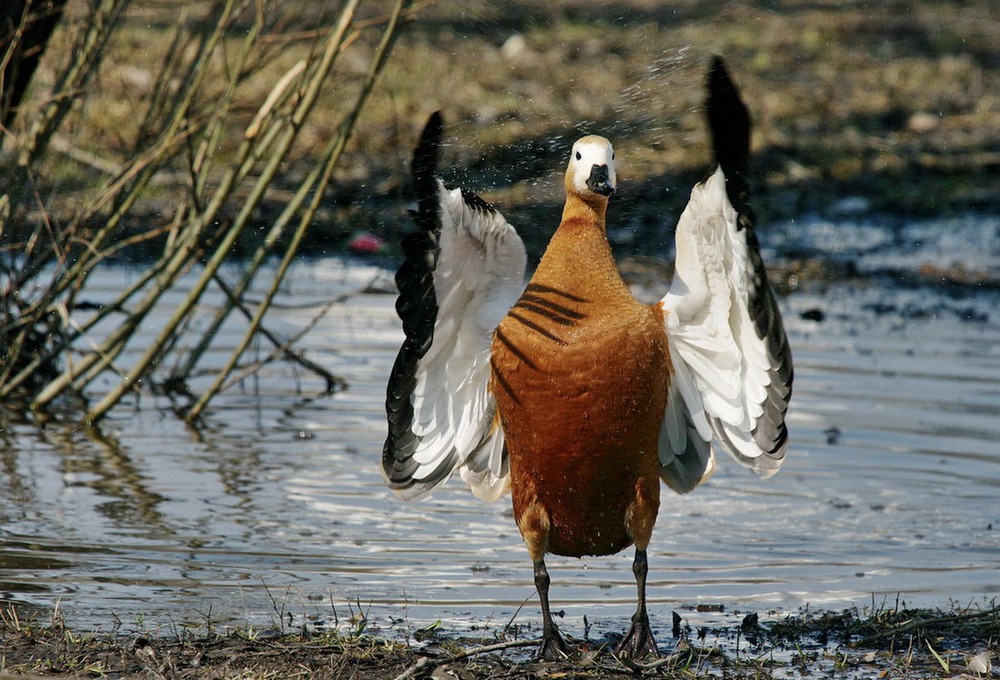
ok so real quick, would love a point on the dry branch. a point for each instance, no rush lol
(196, 96)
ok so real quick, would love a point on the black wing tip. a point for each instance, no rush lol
(435, 120)
(728, 120)
(475, 202)
(416, 304)
(717, 78)
(398, 468)
(730, 127)
(432, 133)
(426, 157)
(725, 107)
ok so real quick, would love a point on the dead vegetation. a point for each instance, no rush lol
(881, 641)
(196, 130)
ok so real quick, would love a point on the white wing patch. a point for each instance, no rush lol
(724, 371)
(479, 276)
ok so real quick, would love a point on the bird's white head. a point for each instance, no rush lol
(591, 168)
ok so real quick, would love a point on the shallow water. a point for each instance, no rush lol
(891, 488)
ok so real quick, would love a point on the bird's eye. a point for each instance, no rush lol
(578, 155)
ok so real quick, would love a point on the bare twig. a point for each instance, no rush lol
(284, 349)
(331, 157)
(223, 248)
(178, 134)
(426, 664)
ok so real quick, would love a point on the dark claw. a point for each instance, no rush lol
(638, 643)
(554, 647)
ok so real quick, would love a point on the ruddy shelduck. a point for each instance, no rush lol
(568, 391)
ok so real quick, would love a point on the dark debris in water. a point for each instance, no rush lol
(832, 435)
(814, 314)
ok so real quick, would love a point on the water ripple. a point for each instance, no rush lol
(890, 487)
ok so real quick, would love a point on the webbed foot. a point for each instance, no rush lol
(554, 647)
(638, 643)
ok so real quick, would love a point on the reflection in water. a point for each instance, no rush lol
(890, 487)
(112, 474)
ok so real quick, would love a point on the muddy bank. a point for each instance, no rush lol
(878, 642)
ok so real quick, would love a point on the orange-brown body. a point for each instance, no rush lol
(580, 375)
(580, 372)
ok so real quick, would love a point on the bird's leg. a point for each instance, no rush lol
(553, 647)
(639, 642)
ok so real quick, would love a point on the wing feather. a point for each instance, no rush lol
(724, 364)
(732, 364)
(685, 449)
(464, 269)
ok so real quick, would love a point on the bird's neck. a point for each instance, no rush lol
(590, 210)
(579, 256)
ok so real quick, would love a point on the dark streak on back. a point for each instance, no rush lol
(535, 327)
(514, 349)
(542, 288)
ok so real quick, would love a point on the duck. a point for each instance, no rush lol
(566, 391)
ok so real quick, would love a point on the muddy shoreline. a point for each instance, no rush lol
(875, 642)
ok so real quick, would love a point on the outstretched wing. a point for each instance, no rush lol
(463, 269)
(732, 364)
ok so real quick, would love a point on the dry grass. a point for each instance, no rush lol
(895, 102)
